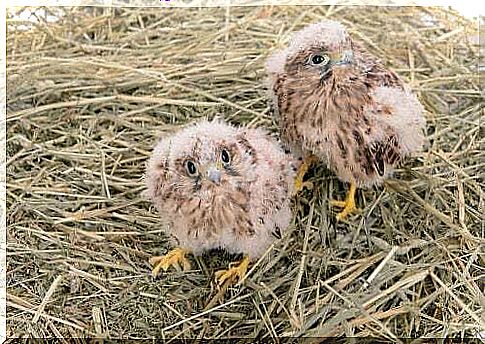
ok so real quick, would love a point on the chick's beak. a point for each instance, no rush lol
(343, 59)
(214, 175)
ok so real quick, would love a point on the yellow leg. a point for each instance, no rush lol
(348, 204)
(236, 272)
(299, 183)
(172, 258)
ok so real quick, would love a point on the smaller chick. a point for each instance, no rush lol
(219, 186)
(339, 104)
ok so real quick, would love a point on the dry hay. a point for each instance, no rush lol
(89, 95)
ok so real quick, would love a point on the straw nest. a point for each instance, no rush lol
(90, 94)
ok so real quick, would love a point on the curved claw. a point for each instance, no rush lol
(348, 205)
(335, 203)
(172, 258)
(233, 273)
(299, 183)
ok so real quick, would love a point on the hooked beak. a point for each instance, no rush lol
(214, 175)
(343, 59)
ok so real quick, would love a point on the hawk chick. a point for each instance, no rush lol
(338, 103)
(219, 186)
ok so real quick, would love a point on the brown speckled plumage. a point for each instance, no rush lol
(352, 112)
(243, 211)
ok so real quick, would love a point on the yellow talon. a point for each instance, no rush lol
(172, 258)
(348, 204)
(236, 272)
(299, 183)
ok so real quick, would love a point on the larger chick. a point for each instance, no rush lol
(338, 103)
(219, 186)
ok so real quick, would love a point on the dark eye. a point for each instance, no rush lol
(191, 168)
(319, 59)
(225, 157)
